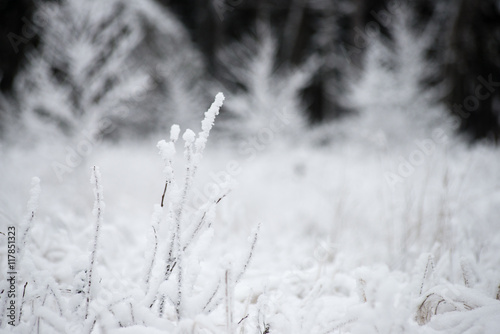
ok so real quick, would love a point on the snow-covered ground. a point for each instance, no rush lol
(354, 236)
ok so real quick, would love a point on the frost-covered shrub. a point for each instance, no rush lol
(180, 226)
(107, 64)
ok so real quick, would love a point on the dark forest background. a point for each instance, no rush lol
(465, 44)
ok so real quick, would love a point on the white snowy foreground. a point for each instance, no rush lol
(342, 237)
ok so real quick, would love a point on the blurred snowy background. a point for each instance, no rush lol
(350, 184)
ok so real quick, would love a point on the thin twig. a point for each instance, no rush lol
(250, 254)
(98, 216)
(429, 267)
(153, 258)
(164, 192)
(201, 223)
(132, 312)
(242, 319)
(229, 301)
(22, 302)
(211, 297)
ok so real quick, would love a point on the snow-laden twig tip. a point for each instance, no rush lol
(174, 132)
(208, 122)
(189, 136)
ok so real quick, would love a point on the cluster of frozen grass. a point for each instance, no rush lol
(354, 238)
(177, 285)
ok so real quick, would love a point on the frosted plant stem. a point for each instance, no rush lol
(238, 277)
(178, 220)
(167, 151)
(152, 262)
(22, 302)
(98, 208)
(24, 231)
(170, 258)
(3, 297)
(32, 207)
(164, 192)
(466, 272)
(153, 257)
(55, 293)
(361, 285)
(201, 223)
(250, 254)
(207, 304)
(229, 300)
(429, 268)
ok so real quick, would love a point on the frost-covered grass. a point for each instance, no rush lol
(350, 241)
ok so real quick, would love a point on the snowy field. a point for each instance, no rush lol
(385, 219)
(312, 235)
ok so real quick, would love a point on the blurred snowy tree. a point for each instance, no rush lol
(266, 97)
(104, 65)
(392, 103)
